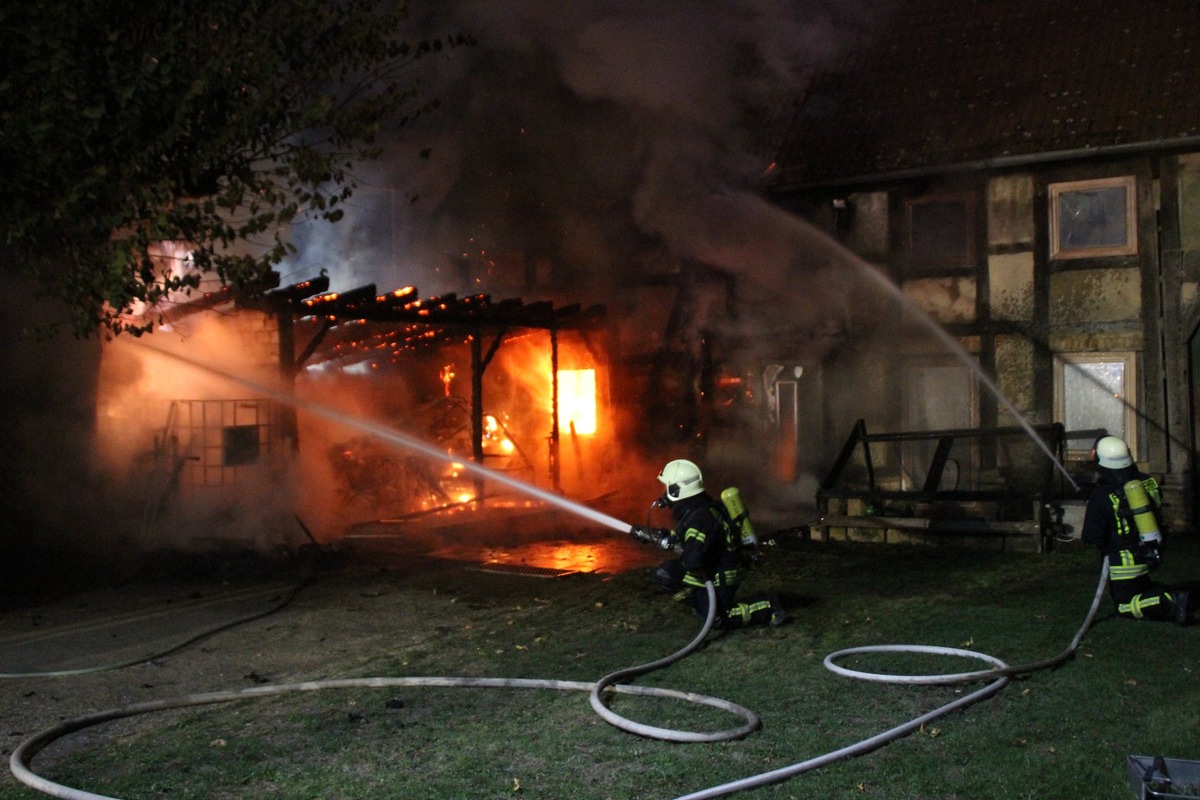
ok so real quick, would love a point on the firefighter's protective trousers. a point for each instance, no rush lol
(1133, 592)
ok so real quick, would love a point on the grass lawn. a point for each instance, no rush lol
(1132, 689)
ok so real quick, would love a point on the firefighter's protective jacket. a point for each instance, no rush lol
(1108, 523)
(712, 547)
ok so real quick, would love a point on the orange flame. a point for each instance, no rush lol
(577, 400)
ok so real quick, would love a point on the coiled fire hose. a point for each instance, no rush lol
(999, 674)
(21, 759)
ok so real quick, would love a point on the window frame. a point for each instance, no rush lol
(922, 267)
(1078, 449)
(1055, 193)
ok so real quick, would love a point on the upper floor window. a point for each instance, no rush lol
(941, 233)
(1093, 218)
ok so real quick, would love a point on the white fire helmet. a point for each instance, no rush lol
(682, 479)
(1113, 453)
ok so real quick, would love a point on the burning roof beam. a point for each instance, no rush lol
(336, 304)
(359, 323)
(402, 305)
(387, 345)
(400, 296)
(298, 291)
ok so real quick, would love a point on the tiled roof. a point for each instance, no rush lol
(952, 82)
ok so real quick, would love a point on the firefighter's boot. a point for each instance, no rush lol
(1183, 611)
(778, 614)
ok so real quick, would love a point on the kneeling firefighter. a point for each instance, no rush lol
(1121, 520)
(711, 546)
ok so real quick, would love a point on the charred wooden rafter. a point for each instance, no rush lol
(361, 323)
(297, 292)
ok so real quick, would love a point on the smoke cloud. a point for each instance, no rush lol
(582, 133)
(605, 138)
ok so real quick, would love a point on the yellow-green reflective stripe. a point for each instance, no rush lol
(1125, 573)
(1122, 524)
(728, 577)
(1137, 605)
(747, 609)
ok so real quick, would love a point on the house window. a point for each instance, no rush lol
(1093, 218)
(941, 233)
(239, 445)
(1093, 392)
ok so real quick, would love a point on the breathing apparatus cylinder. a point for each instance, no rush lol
(732, 499)
(1143, 511)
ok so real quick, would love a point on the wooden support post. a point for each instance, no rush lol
(289, 427)
(555, 469)
(479, 364)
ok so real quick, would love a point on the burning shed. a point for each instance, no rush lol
(401, 336)
(210, 448)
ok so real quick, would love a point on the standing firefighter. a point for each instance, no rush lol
(1121, 520)
(710, 547)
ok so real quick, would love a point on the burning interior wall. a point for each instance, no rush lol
(351, 478)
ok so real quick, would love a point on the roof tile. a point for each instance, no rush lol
(961, 80)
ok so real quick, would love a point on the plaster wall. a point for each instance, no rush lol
(1189, 201)
(1086, 296)
(868, 234)
(1089, 341)
(947, 300)
(1014, 375)
(1010, 210)
(1010, 286)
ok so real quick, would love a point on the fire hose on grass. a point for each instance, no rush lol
(21, 759)
(999, 673)
(193, 639)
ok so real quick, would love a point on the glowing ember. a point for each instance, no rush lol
(577, 400)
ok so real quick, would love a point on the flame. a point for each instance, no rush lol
(577, 400)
